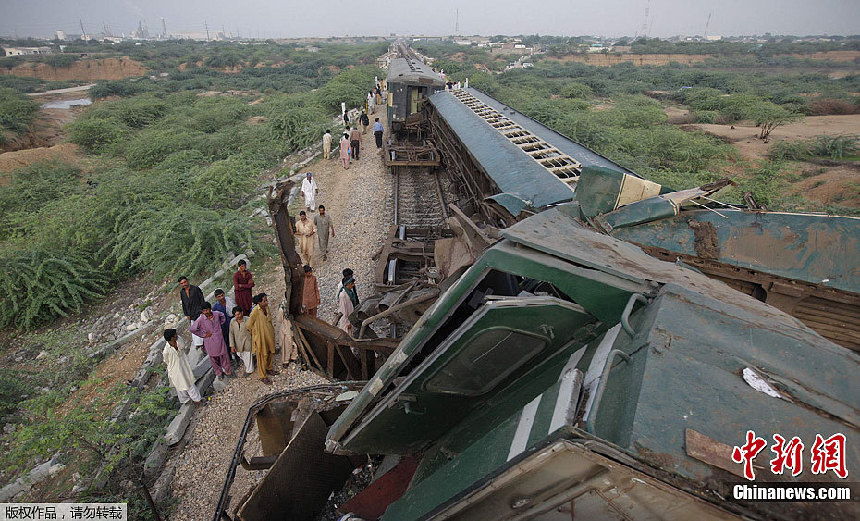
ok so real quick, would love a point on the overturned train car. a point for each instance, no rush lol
(572, 372)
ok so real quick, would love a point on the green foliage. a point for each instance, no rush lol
(60, 61)
(175, 238)
(16, 110)
(96, 134)
(30, 188)
(152, 145)
(349, 86)
(835, 147)
(790, 151)
(39, 284)
(222, 183)
(706, 116)
(577, 90)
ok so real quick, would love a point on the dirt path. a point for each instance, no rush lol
(357, 200)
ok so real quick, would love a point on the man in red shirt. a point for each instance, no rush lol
(243, 281)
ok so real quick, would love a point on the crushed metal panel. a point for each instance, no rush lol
(818, 249)
(556, 232)
(372, 502)
(301, 480)
(565, 474)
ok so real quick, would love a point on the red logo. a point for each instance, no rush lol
(746, 453)
(788, 455)
(829, 454)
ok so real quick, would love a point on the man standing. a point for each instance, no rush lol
(224, 305)
(310, 293)
(323, 225)
(377, 132)
(192, 304)
(263, 337)
(371, 102)
(306, 230)
(365, 122)
(243, 281)
(347, 299)
(208, 326)
(327, 144)
(179, 370)
(344, 150)
(309, 192)
(240, 340)
(348, 274)
(355, 142)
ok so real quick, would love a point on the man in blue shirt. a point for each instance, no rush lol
(377, 132)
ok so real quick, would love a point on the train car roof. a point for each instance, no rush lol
(513, 171)
(575, 150)
(413, 71)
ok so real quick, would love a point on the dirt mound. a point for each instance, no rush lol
(9, 161)
(81, 70)
(835, 185)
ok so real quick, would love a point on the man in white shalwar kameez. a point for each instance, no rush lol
(309, 192)
(179, 370)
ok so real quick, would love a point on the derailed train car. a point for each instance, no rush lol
(409, 83)
(568, 374)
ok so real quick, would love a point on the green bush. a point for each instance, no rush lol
(176, 237)
(835, 147)
(39, 284)
(350, 86)
(577, 90)
(223, 184)
(706, 116)
(152, 145)
(97, 134)
(17, 111)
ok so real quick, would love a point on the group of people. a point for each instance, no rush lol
(350, 142)
(229, 333)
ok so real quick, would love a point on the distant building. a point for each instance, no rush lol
(26, 51)
(61, 35)
(713, 37)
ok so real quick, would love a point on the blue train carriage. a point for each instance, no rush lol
(409, 82)
(568, 374)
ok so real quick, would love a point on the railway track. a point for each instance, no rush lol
(418, 198)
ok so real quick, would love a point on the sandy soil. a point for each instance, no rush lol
(745, 136)
(81, 70)
(835, 185)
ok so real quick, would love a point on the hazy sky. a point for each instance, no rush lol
(291, 18)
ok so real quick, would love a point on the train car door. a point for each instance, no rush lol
(414, 98)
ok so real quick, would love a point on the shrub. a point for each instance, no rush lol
(40, 283)
(790, 151)
(835, 147)
(153, 145)
(16, 110)
(223, 184)
(577, 90)
(706, 116)
(830, 106)
(176, 237)
(97, 134)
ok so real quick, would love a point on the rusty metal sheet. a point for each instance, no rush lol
(301, 480)
(711, 452)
